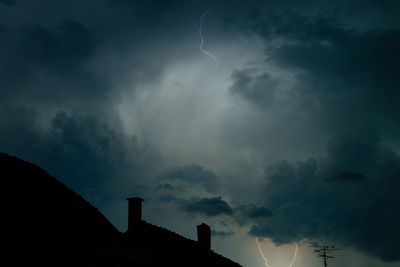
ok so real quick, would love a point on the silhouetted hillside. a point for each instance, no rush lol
(43, 222)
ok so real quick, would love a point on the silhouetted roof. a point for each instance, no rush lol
(174, 248)
(44, 223)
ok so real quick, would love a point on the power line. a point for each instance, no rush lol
(323, 252)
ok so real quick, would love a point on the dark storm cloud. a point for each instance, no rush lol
(46, 66)
(8, 2)
(254, 87)
(335, 66)
(168, 186)
(18, 134)
(358, 63)
(363, 215)
(347, 176)
(67, 46)
(250, 214)
(192, 174)
(55, 57)
(80, 150)
(65, 68)
(214, 206)
(222, 234)
(83, 148)
(347, 78)
(57, 47)
(253, 212)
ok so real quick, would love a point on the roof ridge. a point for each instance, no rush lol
(188, 239)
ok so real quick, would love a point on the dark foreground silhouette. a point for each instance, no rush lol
(44, 223)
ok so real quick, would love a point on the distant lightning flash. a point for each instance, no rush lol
(266, 260)
(202, 39)
(294, 256)
(262, 254)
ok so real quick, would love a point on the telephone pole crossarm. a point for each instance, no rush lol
(323, 252)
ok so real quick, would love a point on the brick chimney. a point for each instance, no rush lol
(204, 236)
(134, 213)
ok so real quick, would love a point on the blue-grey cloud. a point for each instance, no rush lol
(64, 75)
(346, 79)
(258, 88)
(222, 234)
(168, 186)
(62, 48)
(193, 174)
(80, 150)
(252, 211)
(346, 176)
(335, 65)
(208, 206)
(8, 2)
(216, 206)
(251, 214)
(363, 215)
(18, 135)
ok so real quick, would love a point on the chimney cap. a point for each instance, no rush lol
(203, 225)
(135, 198)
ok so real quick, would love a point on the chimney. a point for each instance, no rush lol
(204, 236)
(134, 213)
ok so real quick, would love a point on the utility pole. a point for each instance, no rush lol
(323, 251)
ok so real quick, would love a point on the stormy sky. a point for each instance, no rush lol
(293, 137)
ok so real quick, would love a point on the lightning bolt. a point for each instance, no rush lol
(202, 39)
(262, 254)
(294, 256)
(266, 260)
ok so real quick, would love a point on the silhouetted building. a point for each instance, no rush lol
(44, 223)
(170, 247)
